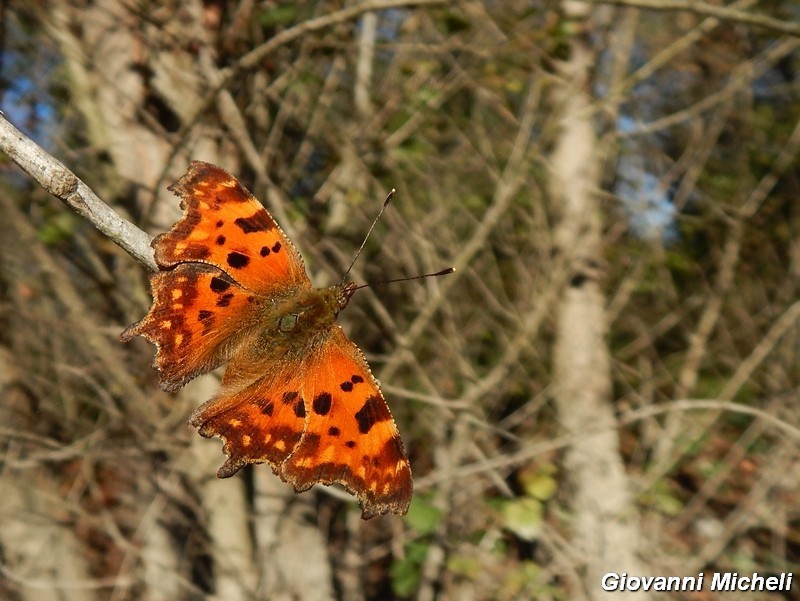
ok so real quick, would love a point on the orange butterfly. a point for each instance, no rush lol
(297, 393)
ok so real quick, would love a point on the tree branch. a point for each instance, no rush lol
(709, 10)
(59, 181)
(255, 57)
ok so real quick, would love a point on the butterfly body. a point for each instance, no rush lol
(297, 393)
(311, 311)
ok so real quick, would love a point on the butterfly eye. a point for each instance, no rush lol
(345, 293)
(287, 323)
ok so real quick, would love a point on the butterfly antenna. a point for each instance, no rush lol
(372, 227)
(416, 277)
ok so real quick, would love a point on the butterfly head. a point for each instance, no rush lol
(346, 292)
(323, 305)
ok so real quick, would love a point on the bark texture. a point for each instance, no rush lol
(606, 529)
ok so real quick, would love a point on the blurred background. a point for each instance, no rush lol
(610, 382)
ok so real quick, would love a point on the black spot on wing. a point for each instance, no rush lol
(207, 319)
(196, 252)
(289, 396)
(219, 285)
(238, 260)
(225, 299)
(334, 431)
(257, 222)
(300, 408)
(348, 385)
(322, 403)
(267, 406)
(373, 411)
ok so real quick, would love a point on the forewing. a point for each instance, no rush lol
(224, 225)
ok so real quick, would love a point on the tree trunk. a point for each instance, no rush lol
(605, 527)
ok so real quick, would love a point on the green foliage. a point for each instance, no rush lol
(469, 568)
(405, 572)
(540, 484)
(454, 21)
(282, 14)
(526, 581)
(424, 519)
(60, 227)
(523, 516)
(662, 498)
(422, 516)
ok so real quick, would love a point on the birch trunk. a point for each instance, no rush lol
(606, 530)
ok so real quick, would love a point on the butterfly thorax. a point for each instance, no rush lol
(310, 312)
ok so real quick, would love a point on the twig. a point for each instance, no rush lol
(511, 460)
(62, 183)
(254, 59)
(510, 183)
(741, 78)
(672, 50)
(714, 405)
(709, 10)
(782, 326)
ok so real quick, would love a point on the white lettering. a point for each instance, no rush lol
(648, 582)
(692, 583)
(662, 584)
(610, 581)
(722, 582)
(613, 581)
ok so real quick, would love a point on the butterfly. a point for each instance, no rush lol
(297, 394)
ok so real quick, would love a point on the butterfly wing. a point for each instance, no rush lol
(259, 422)
(350, 436)
(197, 318)
(225, 226)
(223, 265)
(323, 421)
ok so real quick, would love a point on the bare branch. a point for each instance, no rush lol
(254, 58)
(709, 10)
(59, 181)
(714, 405)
